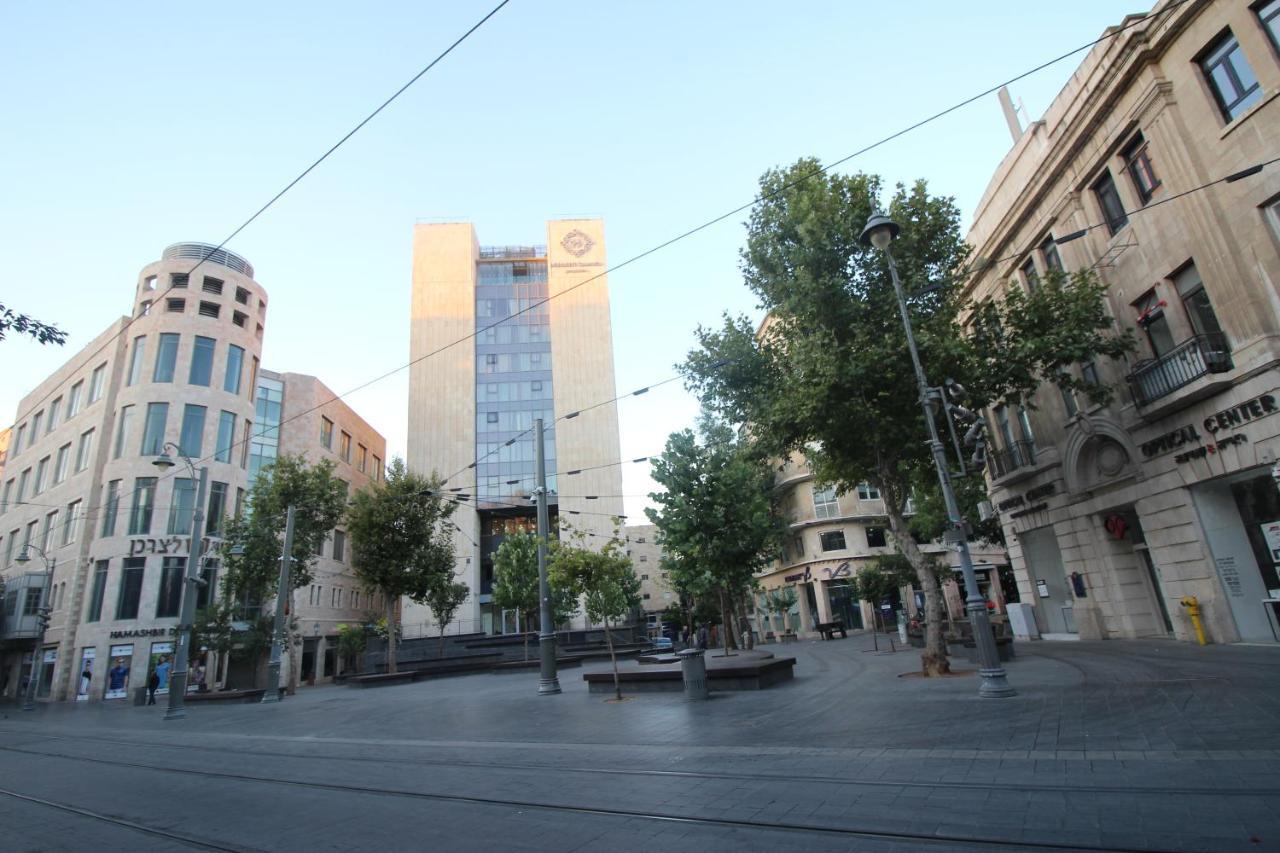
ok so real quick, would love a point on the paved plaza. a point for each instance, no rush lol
(1137, 745)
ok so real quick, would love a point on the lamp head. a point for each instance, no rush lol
(24, 556)
(237, 550)
(880, 231)
(164, 461)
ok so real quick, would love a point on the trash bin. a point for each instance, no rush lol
(693, 667)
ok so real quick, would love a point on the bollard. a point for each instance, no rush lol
(693, 667)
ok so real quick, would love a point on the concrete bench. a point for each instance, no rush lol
(742, 671)
(828, 630)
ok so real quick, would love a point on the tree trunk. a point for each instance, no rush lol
(608, 638)
(744, 623)
(726, 627)
(933, 661)
(526, 636)
(291, 648)
(391, 634)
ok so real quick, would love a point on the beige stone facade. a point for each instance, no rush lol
(1115, 513)
(656, 592)
(490, 354)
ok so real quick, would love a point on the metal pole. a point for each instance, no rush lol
(42, 617)
(280, 630)
(994, 683)
(187, 610)
(549, 682)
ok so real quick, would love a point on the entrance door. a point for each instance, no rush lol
(1049, 593)
(1233, 516)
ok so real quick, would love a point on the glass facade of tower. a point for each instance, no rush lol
(265, 444)
(513, 379)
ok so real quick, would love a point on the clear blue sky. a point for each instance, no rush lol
(131, 126)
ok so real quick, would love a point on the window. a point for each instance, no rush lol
(226, 436)
(1024, 423)
(202, 362)
(178, 280)
(54, 408)
(244, 445)
(1069, 399)
(1030, 276)
(362, 457)
(95, 383)
(876, 537)
(17, 441)
(1104, 189)
(71, 525)
(239, 508)
(83, 450)
(145, 309)
(23, 479)
(111, 508)
(36, 419)
(377, 468)
(8, 493)
(46, 535)
(175, 306)
(833, 540)
(1049, 252)
(42, 476)
(153, 429)
(491, 417)
(344, 447)
(1152, 320)
(339, 546)
(130, 587)
(1195, 301)
(217, 510)
(149, 283)
(1089, 373)
(31, 606)
(60, 467)
(326, 433)
(868, 492)
(210, 309)
(182, 506)
(242, 296)
(825, 504)
(1268, 13)
(166, 358)
(135, 360)
(191, 440)
(169, 597)
(208, 593)
(74, 399)
(1229, 76)
(212, 285)
(239, 318)
(1137, 162)
(144, 501)
(122, 430)
(235, 366)
(97, 590)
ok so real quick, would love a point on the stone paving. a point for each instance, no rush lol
(1146, 745)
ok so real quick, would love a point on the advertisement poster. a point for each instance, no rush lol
(50, 658)
(118, 673)
(1271, 533)
(86, 674)
(161, 664)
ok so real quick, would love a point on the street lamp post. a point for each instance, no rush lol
(42, 619)
(549, 680)
(880, 232)
(280, 630)
(191, 578)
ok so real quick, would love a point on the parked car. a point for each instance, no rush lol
(662, 644)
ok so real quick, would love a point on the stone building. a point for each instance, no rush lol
(656, 594)
(1114, 513)
(490, 355)
(80, 487)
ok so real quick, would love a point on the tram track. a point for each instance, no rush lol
(916, 840)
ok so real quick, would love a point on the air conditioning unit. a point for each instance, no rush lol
(986, 511)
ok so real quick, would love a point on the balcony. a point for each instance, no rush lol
(1184, 364)
(22, 596)
(1019, 454)
(502, 253)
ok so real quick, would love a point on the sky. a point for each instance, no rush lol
(128, 127)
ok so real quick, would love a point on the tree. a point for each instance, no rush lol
(604, 579)
(352, 640)
(24, 325)
(252, 578)
(444, 597)
(780, 601)
(716, 519)
(830, 375)
(400, 541)
(515, 584)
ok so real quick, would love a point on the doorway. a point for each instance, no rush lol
(1049, 594)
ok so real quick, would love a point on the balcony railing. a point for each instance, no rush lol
(1179, 367)
(1020, 454)
(488, 253)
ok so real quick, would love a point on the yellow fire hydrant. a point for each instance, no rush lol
(1193, 610)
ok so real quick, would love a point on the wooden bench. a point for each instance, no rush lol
(828, 629)
(381, 679)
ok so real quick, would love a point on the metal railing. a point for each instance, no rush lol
(1009, 459)
(1179, 367)
(209, 254)
(517, 252)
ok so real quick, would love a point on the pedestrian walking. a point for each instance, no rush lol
(702, 636)
(153, 684)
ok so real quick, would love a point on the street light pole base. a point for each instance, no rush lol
(994, 684)
(548, 687)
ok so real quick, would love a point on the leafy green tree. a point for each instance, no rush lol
(515, 584)
(716, 518)
(830, 374)
(604, 579)
(444, 597)
(24, 325)
(352, 640)
(779, 601)
(400, 541)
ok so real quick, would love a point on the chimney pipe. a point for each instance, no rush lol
(1010, 114)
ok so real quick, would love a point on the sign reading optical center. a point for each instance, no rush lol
(1228, 419)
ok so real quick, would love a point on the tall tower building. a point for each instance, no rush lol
(488, 360)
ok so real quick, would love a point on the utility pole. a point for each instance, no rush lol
(549, 682)
(187, 610)
(281, 629)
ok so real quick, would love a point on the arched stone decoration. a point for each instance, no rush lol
(1097, 452)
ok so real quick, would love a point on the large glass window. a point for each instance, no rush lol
(868, 492)
(1195, 301)
(1234, 85)
(1152, 320)
(326, 433)
(825, 503)
(110, 508)
(97, 591)
(1137, 162)
(235, 366)
(876, 537)
(832, 540)
(122, 430)
(268, 406)
(135, 362)
(95, 383)
(182, 506)
(75, 398)
(60, 466)
(226, 436)
(169, 599)
(201, 372)
(166, 358)
(83, 449)
(42, 476)
(144, 502)
(1104, 189)
(130, 587)
(344, 447)
(55, 408)
(1268, 13)
(191, 440)
(217, 510)
(153, 429)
